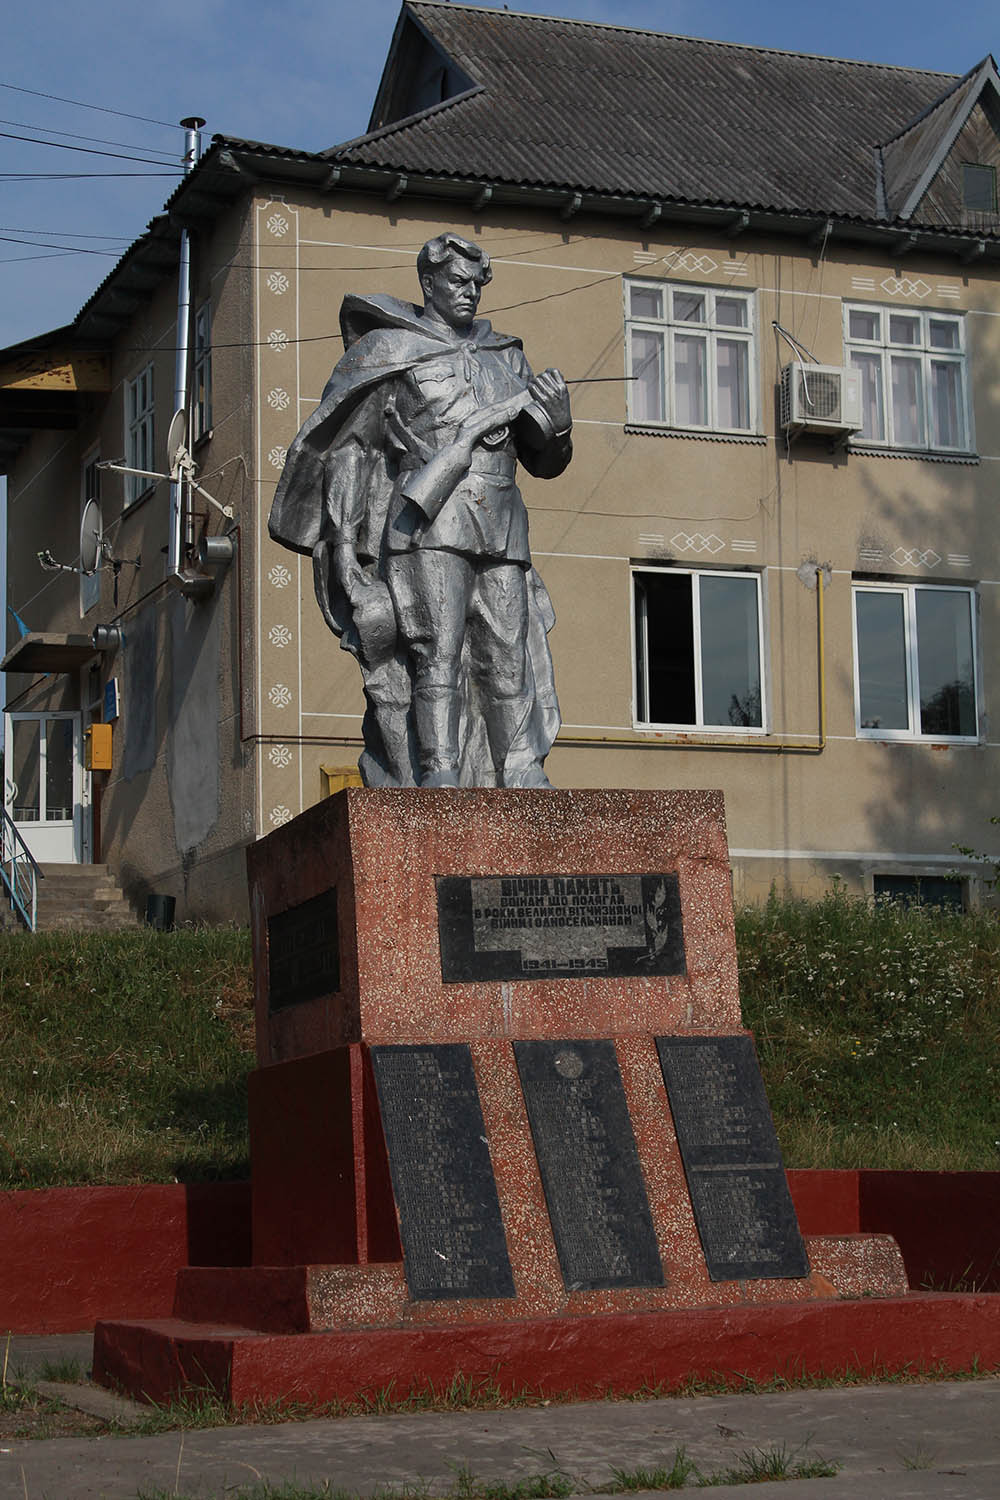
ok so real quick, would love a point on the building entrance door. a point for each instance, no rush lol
(43, 783)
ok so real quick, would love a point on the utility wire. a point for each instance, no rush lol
(72, 234)
(68, 176)
(34, 140)
(12, 239)
(101, 108)
(99, 140)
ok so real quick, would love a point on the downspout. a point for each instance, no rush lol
(180, 573)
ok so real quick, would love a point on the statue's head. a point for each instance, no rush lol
(452, 275)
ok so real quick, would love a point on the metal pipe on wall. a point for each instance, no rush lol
(179, 511)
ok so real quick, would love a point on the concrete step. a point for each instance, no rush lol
(81, 897)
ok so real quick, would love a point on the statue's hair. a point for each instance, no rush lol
(450, 246)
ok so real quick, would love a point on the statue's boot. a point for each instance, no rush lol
(517, 761)
(437, 715)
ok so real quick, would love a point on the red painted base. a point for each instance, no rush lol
(582, 1356)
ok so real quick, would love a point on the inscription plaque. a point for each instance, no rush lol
(442, 1176)
(559, 926)
(589, 1164)
(303, 952)
(732, 1161)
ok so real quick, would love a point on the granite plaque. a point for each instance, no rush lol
(442, 1176)
(732, 1160)
(558, 926)
(589, 1164)
(303, 952)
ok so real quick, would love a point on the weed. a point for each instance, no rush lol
(676, 1477)
(759, 1465)
(920, 1458)
(67, 1371)
(876, 1028)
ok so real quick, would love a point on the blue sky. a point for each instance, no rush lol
(302, 73)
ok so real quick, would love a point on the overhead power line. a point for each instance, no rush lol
(99, 140)
(12, 239)
(34, 140)
(101, 108)
(73, 176)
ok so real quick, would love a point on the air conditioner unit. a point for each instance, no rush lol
(820, 398)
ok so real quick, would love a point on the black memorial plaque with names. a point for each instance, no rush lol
(303, 952)
(442, 1176)
(732, 1161)
(559, 926)
(589, 1164)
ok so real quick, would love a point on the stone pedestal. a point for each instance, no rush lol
(503, 1090)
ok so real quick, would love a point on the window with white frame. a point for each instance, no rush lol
(690, 354)
(915, 661)
(698, 649)
(201, 374)
(914, 380)
(138, 432)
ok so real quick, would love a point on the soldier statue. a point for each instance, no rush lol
(402, 487)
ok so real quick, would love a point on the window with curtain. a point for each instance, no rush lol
(690, 355)
(914, 380)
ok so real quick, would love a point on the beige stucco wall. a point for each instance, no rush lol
(795, 816)
(281, 700)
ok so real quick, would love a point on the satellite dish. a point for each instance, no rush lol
(176, 438)
(91, 538)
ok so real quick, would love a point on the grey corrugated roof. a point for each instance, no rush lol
(608, 109)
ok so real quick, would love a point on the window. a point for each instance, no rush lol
(690, 357)
(138, 432)
(698, 649)
(915, 665)
(979, 188)
(201, 374)
(913, 376)
(945, 891)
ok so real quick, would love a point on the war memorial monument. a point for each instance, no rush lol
(506, 1119)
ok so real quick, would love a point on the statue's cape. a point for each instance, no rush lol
(383, 337)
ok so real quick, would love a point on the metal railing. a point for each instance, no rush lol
(19, 871)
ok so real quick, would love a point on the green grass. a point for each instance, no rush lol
(123, 1056)
(878, 1031)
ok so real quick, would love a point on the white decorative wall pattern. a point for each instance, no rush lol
(280, 815)
(280, 695)
(905, 286)
(278, 283)
(696, 542)
(915, 557)
(279, 635)
(278, 398)
(277, 340)
(276, 456)
(280, 756)
(702, 265)
(277, 225)
(279, 576)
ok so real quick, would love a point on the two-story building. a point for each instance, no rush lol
(774, 281)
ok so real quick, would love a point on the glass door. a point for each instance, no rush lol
(43, 782)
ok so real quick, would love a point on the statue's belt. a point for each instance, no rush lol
(483, 462)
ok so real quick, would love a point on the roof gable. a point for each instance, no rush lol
(593, 108)
(418, 74)
(962, 120)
